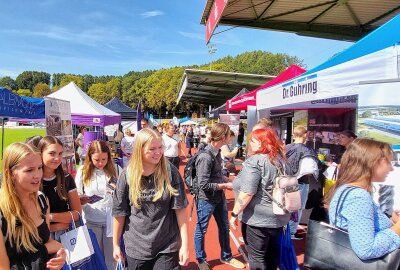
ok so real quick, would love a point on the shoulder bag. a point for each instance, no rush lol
(328, 248)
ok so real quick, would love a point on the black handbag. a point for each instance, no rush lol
(328, 248)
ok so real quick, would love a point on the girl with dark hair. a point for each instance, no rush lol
(96, 181)
(372, 234)
(253, 206)
(58, 186)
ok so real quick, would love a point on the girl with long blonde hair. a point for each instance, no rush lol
(58, 186)
(96, 181)
(150, 193)
(25, 241)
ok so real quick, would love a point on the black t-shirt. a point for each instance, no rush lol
(25, 259)
(57, 204)
(153, 228)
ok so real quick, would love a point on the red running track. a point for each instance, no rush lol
(211, 241)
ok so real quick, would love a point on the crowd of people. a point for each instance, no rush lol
(138, 212)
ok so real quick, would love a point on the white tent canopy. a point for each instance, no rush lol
(189, 123)
(374, 60)
(85, 110)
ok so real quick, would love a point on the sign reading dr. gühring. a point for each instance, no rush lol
(301, 86)
(58, 124)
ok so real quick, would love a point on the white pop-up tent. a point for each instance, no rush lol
(365, 77)
(85, 110)
(188, 123)
(374, 60)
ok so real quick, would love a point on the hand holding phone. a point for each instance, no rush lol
(94, 198)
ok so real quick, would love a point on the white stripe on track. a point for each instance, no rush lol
(239, 247)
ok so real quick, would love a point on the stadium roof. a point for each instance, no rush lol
(334, 19)
(215, 87)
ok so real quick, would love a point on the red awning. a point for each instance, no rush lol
(249, 99)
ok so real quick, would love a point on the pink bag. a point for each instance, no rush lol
(285, 195)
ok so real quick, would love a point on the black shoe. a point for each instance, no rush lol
(297, 236)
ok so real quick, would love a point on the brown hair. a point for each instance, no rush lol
(358, 163)
(88, 167)
(60, 174)
(34, 140)
(219, 132)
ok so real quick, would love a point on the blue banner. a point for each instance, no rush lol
(12, 105)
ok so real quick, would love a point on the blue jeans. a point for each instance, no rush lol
(304, 188)
(205, 209)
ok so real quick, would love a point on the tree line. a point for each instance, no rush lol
(156, 89)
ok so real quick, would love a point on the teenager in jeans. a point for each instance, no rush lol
(260, 226)
(211, 199)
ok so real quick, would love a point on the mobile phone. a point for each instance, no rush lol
(94, 198)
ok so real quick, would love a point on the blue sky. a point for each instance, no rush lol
(104, 37)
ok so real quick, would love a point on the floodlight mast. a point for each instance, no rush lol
(211, 50)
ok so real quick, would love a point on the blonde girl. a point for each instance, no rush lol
(58, 186)
(150, 199)
(25, 241)
(97, 179)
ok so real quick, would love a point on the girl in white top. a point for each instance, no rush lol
(95, 182)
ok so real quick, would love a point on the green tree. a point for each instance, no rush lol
(98, 92)
(66, 79)
(41, 90)
(24, 92)
(28, 79)
(114, 88)
(9, 83)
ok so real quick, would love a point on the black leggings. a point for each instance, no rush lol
(167, 261)
(261, 246)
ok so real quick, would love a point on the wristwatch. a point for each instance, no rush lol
(234, 215)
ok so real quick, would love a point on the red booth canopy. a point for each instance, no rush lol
(249, 99)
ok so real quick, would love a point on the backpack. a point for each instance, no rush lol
(295, 152)
(285, 196)
(190, 174)
(190, 177)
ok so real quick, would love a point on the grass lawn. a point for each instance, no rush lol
(12, 135)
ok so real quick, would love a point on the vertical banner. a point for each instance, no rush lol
(379, 119)
(88, 137)
(214, 17)
(58, 124)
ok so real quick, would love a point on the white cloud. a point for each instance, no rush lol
(192, 35)
(153, 13)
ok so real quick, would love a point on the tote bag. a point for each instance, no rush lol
(328, 248)
(77, 242)
(287, 254)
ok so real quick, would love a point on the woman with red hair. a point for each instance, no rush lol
(260, 226)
